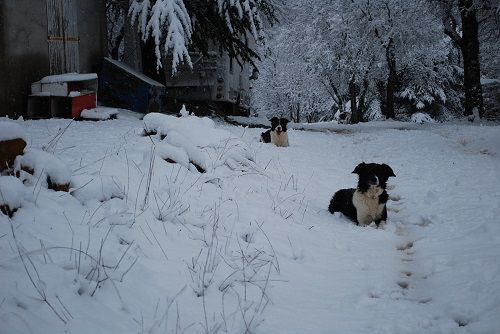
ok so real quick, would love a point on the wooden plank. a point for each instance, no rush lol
(54, 31)
(71, 43)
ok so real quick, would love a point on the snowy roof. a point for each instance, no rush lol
(68, 77)
(134, 72)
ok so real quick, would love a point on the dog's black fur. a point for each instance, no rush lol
(370, 175)
(275, 122)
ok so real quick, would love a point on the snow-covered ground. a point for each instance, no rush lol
(146, 246)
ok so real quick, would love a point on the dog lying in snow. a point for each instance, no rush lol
(277, 134)
(366, 203)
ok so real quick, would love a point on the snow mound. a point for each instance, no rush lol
(153, 121)
(45, 165)
(205, 145)
(172, 153)
(10, 130)
(421, 117)
(99, 114)
(201, 131)
(198, 140)
(11, 192)
(184, 112)
(99, 188)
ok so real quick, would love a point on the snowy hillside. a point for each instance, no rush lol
(146, 243)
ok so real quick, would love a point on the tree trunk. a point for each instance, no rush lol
(353, 96)
(470, 52)
(149, 61)
(362, 107)
(298, 113)
(382, 95)
(132, 46)
(115, 51)
(391, 81)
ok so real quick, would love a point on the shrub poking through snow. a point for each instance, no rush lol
(11, 195)
(12, 144)
(44, 166)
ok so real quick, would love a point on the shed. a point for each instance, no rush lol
(46, 37)
(121, 86)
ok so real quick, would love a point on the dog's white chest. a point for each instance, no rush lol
(367, 205)
(280, 140)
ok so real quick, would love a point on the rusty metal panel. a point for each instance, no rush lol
(55, 33)
(71, 40)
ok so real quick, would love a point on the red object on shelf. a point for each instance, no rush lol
(78, 103)
(60, 106)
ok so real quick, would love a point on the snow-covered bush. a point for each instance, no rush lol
(195, 142)
(153, 121)
(200, 131)
(420, 118)
(11, 194)
(172, 154)
(196, 156)
(37, 165)
(11, 130)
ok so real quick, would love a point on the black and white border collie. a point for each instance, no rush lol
(366, 203)
(277, 134)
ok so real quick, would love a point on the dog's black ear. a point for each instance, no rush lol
(359, 168)
(285, 120)
(387, 170)
(274, 121)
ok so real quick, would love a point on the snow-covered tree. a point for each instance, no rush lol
(462, 20)
(287, 84)
(363, 56)
(177, 25)
(168, 23)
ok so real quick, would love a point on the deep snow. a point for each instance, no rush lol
(250, 244)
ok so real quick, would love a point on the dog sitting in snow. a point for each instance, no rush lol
(366, 203)
(277, 134)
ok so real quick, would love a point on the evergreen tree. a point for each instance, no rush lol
(176, 25)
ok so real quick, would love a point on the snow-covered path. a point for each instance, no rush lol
(442, 238)
(433, 269)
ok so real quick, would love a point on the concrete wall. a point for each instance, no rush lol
(23, 51)
(24, 48)
(92, 32)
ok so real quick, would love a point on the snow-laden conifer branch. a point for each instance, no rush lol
(169, 24)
